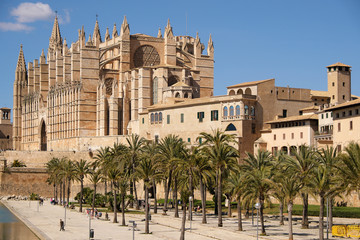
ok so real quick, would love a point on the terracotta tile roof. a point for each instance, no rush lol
(310, 108)
(295, 118)
(319, 93)
(250, 83)
(180, 84)
(338, 64)
(343, 105)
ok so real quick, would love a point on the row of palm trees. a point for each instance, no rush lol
(213, 166)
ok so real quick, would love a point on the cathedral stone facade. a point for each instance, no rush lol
(92, 92)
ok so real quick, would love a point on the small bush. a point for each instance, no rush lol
(34, 196)
(17, 163)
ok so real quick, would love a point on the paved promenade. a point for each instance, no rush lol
(44, 221)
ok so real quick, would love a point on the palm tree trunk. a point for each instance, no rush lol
(229, 207)
(240, 228)
(261, 201)
(203, 203)
(81, 194)
(220, 223)
(290, 206)
(68, 190)
(136, 197)
(155, 198)
(93, 200)
(123, 208)
(305, 216)
(60, 194)
(321, 217)
(331, 213)
(54, 185)
(115, 208)
(175, 199)
(183, 220)
(64, 195)
(191, 194)
(281, 213)
(247, 213)
(132, 193)
(216, 209)
(146, 210)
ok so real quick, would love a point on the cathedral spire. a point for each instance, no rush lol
(168, 30)
(159, 33)
(114, 33)
(96, 34)
(55, 39)
(210, 47)
(125, 29)
(107, 35)
(42, 57)
(21, 65)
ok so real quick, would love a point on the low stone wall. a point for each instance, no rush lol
(24, 181)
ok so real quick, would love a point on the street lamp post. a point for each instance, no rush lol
(90, 224)
(65, 216)
(257, 206)
(190, 206)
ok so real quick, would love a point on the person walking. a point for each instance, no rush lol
(62, 226)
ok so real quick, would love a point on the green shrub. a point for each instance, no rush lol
(17, 163)
(34, 196)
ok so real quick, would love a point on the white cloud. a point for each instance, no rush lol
(31, 12)
(8, 26)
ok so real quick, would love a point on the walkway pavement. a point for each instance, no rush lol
(44, 221)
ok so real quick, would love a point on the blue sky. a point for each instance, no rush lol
(291, 41)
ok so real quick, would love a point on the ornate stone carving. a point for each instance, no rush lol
(146, 56)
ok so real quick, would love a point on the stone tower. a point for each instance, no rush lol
(339, 83)
(20, 84)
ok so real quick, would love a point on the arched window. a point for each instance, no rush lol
(155, 91)
(284, 149)
(152, 118)
(246, 110)
(225, 112)
(240, 92)
(231, 111)
(237, 109)
(248, 91)
(156, 117)
(160, 117)
(252, 111)
(230, 127)
(177, 95)
(232, 92)
(186, 95)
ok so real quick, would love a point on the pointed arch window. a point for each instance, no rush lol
(160, 117)
(155, 91)
(225, 112)
(156, 117)
(252, 111)
(231, 111)
(152, 118)
(237, 110)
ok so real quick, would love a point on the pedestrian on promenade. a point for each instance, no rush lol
(62, 226)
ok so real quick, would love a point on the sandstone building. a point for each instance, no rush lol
(95, 89)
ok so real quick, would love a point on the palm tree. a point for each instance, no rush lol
(102, 159)
(257, 176)
(329, 158)
(114, 174)
(170, 148)
(147, 170)
(302, 163)
(234, 187)
(350, 167)
(68, 172)
(135, 143)
(223, 157)
(95, 177)
(52, 168)
(82, 169)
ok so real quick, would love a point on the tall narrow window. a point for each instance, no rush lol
(214, 115)
(339, 127)
(237, 110)
(168, 119)
(200, 116)
(181, 117)
(155, 91)
(160, 117)
(252, 112)
(225, 112)
(274, 137)
(284, 113)
(231, 111)
(301, 135)
(156, 117)
(152, 118)
(351, 125)
(246, 108)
